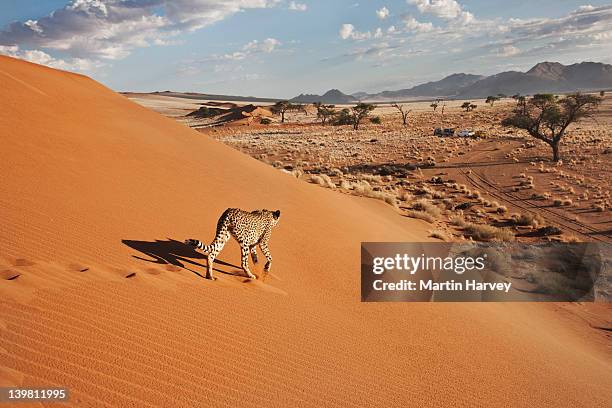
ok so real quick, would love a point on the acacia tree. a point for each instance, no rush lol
(325, 112)
(491, 99)
(547, 117)
(403, 112)
(359, 112)
(281, 107)
(299, 107)
(434, 105)
(468, 106)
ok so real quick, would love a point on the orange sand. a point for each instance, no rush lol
(96, 188)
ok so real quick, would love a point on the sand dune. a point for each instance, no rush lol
(99, 295)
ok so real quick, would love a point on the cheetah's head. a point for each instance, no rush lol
(276, 216)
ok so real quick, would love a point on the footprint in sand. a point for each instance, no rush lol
(9, 274)
(173, 268)
(78, 268)
(153, 271)
(22, 262)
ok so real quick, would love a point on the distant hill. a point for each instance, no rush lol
(545, 77)
(450, 85)
(333, 96)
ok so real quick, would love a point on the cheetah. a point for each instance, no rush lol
(249, 229)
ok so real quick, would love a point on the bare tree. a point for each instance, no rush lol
(521, 102)
(403, 112)
(547, 117)
(299, 107)
(359, 112)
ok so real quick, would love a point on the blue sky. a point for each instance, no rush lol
(280, 48)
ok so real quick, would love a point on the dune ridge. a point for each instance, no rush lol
(96, 195)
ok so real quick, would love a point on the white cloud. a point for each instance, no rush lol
(414, 25)
(347, 31)
(382, 13)
(586, 7)
(40, 57)
(445, 9)
(248, 50)
(111, 29)
(297, 6)
(508, 51)
(268, 45)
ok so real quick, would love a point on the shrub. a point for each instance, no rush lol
(439, 235)
(426, 206)
(265, 121)
(323, 180)
(501, 209)
(481, 232)
(458, 221)
(376, 120)
(422, 215)
(405, 196)
(524, 220)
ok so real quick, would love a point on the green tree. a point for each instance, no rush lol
(491, 99)
(467, 106)
(325, 112)
(280, 108)
(547, 117)
(359, 112)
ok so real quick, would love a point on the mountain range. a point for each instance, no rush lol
(331, 96)
(545, 77)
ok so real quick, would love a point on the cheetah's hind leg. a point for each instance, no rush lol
(245, 262)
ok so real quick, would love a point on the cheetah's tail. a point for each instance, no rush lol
(196, 243)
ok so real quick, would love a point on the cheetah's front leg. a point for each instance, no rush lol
(267, 254)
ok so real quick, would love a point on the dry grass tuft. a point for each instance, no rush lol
(438, 235)
(422, 215)
(482, 232)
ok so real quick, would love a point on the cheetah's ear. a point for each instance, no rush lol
(276, 214)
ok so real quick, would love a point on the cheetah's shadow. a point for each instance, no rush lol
(177, 253)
